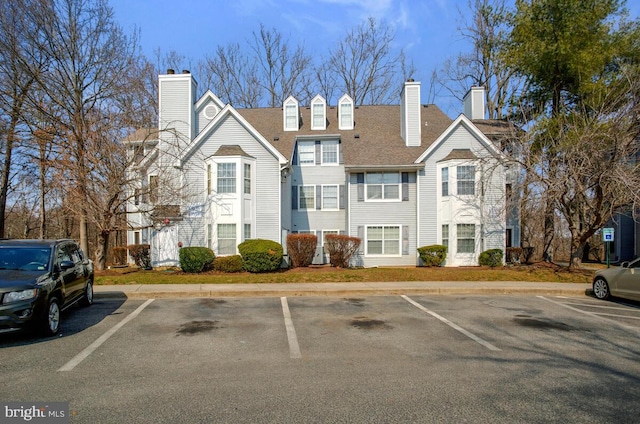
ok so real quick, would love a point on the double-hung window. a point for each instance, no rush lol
(330, 152)
(466, 234)
(226, 178)
(291, 117)
(330, 197)
(345, 112)
(383, 240)
(247, 178)
(306, 152)
(445, 182)
(318, 111)
(445, 235)
(466, 180)
(226, 239)
(307, 197)
(383, 185)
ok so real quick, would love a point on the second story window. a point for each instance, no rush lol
(466, 180)
(291, 117)
(345, 113)
(330, 152)
(226, 178)
(247, 178)
(445, 182)
(306, 152)
(383, 185)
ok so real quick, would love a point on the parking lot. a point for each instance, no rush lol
(336, 359)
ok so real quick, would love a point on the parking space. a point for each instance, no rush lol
(397, 352)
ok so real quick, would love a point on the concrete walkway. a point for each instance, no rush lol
(148, 291)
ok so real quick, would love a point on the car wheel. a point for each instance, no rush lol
(601, 288)
(51, 319)
(87, 298)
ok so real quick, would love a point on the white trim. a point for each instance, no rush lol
(314, 197)
(344, 100)
(378, 255)
(324, 143)
(383, 199)
(321, 102)
(337, 208)
(465, 122)
(290, 101)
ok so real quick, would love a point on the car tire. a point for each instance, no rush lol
(601, 288)
(51, 318)
(87, 297)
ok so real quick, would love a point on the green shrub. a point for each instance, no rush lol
(228, 263)
(341, 248)
(141, 254)
(196, 259)
(119, 255)
(260, 255)
(433, 255)
(301, 249)
(491, 257)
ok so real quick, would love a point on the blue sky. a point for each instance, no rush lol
(425, 29)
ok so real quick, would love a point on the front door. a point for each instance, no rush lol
(164, 247)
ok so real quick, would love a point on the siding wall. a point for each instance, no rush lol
(403, 213)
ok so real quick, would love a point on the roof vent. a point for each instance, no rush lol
(276, 138)
(170, 71)
(185, 71)
(356, 136)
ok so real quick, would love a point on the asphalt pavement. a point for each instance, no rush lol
(155, 291)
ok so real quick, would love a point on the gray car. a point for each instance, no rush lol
(39, 279)
(622, 281)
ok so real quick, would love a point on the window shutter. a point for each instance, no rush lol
(341, 188)
(318, 197)
(361, 237)
(405, 240)
(405, 186)
(294, 197)
(340, 158)
(294, 159)
(318, 152)
(360, 180)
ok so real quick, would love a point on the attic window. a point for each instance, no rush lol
(318, 113)
(291, 116)
(345, 113)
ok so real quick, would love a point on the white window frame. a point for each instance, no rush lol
(246, 177)
(325, 232)
(345, 117)
(337, 197)
(383, 185)
(219, 179)
(300, 190)
(466, 183)
(444, 187)
(247, 231)
(319, 111)
(227, 251)
(445, 229)
(290, 114)
(324, 147)
(459, 228)
(368, 228)
(209, 231)
(306, 149)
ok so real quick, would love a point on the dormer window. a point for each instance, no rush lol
(345, 113)
(318, 113)
(291, 117)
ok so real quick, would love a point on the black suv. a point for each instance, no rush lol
(39, 279)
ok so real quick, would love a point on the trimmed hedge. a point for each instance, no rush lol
(491, 258)
(433, 255)
(196, 259)
(228, 263)
(301, 249)
(141, 254)
(260, 255)
(341, 248)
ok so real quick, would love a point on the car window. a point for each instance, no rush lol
(63, 254)
(76, 256)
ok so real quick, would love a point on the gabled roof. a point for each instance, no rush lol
(231, 150)
(375, 139)
(463, 154)
(473, 129)
(215, 123)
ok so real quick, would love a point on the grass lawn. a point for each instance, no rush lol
(326, 274)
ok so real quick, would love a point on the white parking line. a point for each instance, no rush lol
(294, 348)
(100, 340)
(452, 325)
(591, 314)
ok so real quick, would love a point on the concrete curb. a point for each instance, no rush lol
(334, 290)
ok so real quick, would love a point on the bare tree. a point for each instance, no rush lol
(486, 30)
(366, 67)
(89, 60)
(17, 57)
(283, 71)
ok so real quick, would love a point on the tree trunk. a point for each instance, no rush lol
(6, 173)
(100, 257)
(549, 230)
